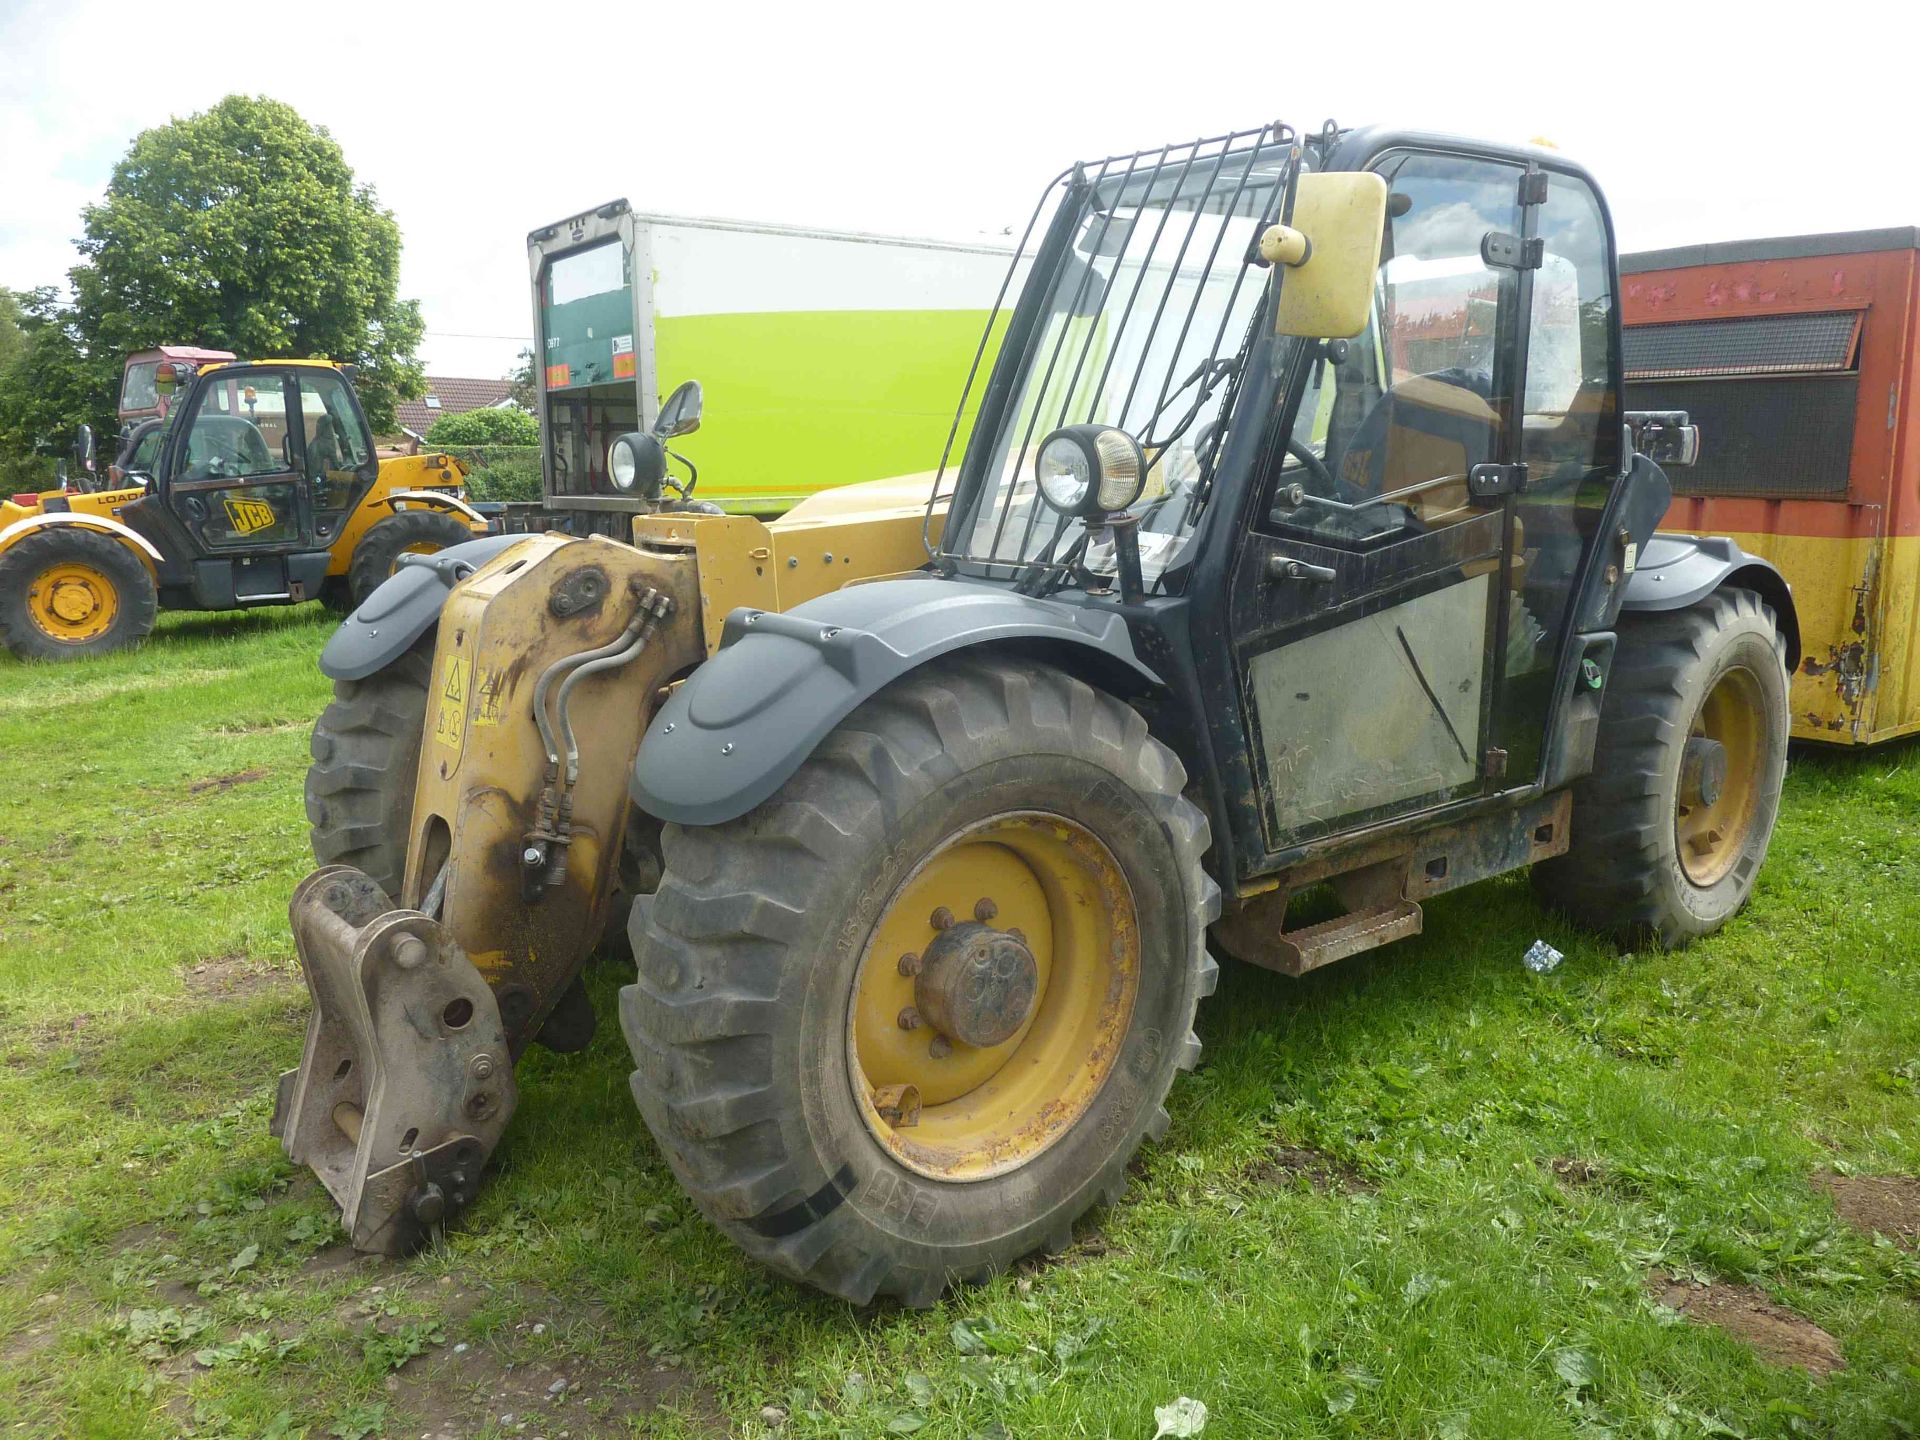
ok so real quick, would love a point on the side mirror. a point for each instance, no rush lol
(637, 464)
(681, 414)
(83, 448)
(1330, 251)
(1666, 437)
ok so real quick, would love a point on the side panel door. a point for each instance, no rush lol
(1371, 600)
(234, 467)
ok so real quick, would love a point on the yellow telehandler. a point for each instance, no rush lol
(1296, 548)
(237, 483)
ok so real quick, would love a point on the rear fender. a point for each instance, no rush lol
(746, 720)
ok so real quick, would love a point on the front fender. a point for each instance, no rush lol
(743, 723)
(400, 610)
(1675, 571)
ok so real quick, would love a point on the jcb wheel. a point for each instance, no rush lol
(366, 755)
(68, 592)
(1670, 829)
(406, 532)
(910, 1018)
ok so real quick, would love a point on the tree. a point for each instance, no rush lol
(243, 229)
(48, 387)
(520, 380)
(500, 426)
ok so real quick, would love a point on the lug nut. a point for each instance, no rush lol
(909, 964)
(1016, 933)
(984, 909)
(909, 1018)
(531, 856)
(941, 919)
(940, 1048)
(482, 1066)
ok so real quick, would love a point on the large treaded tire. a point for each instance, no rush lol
(23, 563)
(366, 756)
(380, 549)
(1622, 874)
(746, 955)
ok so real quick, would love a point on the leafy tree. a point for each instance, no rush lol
(48, 387)
(520, 380)
(485, 427)
(243, 229)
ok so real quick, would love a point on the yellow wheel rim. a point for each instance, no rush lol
(1027, 895)
(72, 602)
(1719, 793)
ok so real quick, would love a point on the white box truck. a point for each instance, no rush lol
(825, 357)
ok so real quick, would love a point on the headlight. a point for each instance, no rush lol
(1090, 470)
(620, 464)
(636, 462)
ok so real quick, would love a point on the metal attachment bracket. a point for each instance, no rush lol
(406, 1083)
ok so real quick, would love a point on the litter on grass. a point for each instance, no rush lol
(1181, 1419)
(1541, 958)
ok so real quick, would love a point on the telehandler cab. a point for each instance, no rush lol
(1295, 549)
(237, 483)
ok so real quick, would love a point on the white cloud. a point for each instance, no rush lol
(480, 122)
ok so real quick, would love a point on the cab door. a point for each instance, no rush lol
(234, 470)
(1372, 603)
(1399, 606)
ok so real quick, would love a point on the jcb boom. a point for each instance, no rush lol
(510, 854)
(1297, 544)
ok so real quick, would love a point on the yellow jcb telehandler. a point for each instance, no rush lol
(1295, 547)
(237, 483)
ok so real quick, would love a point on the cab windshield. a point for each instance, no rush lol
(1145, 326)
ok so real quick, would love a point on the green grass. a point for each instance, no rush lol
(163, 1270)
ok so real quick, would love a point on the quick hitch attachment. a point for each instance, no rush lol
(544, 857)
(406, 1083)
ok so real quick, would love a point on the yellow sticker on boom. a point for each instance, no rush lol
(450, 715)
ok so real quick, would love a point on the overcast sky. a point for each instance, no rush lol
(476, 123)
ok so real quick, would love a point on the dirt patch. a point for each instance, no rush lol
(227, 782)
(1776, 1334)
(1286, 1164)
(230, 977)
(521, 1382)
(1571, 1170)
(1886, 1205)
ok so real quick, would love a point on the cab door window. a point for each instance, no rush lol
(234, 482)
(336, 455)
(1390, 423)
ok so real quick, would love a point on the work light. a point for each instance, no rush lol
(635, 461)
(1090, 470)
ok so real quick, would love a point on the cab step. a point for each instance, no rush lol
(1295, 952)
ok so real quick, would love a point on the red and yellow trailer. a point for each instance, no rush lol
(1797, 357)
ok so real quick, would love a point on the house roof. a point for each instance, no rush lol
(455, 396)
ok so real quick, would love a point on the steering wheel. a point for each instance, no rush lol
(1316, 467)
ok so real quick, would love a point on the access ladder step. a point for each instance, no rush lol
(1298, 951)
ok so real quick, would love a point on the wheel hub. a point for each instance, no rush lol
(72, 601)
(977, 984)
(1703, 771)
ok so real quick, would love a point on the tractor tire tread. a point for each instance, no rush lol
(704, 1016)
